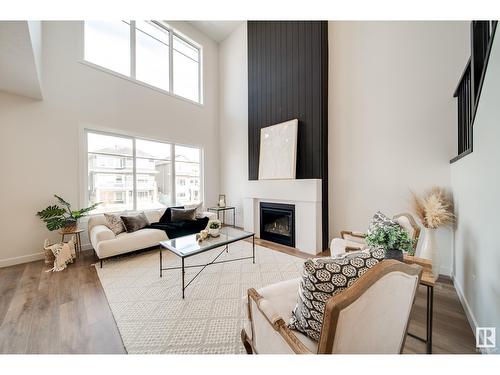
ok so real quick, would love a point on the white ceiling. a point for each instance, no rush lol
(19, 60)
(217, 30)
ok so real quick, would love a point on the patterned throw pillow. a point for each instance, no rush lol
(323, 278)
(379, 220)
(115, 223)
(136, 222)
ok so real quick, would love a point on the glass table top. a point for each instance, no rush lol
(188, 245)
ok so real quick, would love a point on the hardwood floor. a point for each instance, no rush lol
(67, 312)
(56, 312)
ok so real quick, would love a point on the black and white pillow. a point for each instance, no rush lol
(323, 278)
(380, 220)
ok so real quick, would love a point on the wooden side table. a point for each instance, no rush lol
(76, 232)
(428, 281)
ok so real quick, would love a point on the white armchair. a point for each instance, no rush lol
(355, 241)
(369, 317)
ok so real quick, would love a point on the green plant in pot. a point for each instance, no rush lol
(214, 228)
(62, 216)
(394, 239)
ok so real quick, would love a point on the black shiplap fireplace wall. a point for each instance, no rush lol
(287, 79)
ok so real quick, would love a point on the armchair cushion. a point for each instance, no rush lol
(275, 304)
(323, 278)
(340, 246)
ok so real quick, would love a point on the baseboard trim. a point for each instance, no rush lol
(445, 271)
(22, 259)
(468, 312)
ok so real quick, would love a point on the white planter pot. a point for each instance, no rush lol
(214, 232)
(429, 250)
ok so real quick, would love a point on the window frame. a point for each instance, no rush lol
(133, 58)
(134, 138)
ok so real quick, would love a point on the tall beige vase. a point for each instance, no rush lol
(429, 250)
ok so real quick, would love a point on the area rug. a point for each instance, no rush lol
(153, 318)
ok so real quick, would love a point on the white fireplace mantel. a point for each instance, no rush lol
(304, 194)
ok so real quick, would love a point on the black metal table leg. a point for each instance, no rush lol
(430, 307)
(253, 249)
(182, 278)
(161, 264)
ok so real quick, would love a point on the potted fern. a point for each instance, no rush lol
(394, 239)
(62, 216)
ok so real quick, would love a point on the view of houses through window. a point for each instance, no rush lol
(126, 173)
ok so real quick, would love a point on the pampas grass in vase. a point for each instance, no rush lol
(434, 209)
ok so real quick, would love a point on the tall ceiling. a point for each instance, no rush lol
(20, 55)
(217, 30)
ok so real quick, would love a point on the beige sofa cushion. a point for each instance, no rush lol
(126, 242)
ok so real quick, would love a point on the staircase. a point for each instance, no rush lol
(470, 84)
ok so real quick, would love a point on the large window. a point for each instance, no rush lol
(146, 51)
(126, 173)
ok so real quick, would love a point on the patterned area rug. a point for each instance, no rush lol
(152, 317)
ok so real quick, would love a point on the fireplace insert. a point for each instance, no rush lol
(277, 223)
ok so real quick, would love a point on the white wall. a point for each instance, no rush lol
(233, 118)
(39, 140)
(392, 117)
(476, 188)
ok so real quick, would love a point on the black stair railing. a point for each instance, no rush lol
(470, 84)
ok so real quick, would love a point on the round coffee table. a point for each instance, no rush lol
(76, 232)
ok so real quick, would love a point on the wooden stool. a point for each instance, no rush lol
(76, 232)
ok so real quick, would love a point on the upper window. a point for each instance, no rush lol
(126, 173)
(146, 51)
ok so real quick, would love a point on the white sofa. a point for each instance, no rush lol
(106, 244)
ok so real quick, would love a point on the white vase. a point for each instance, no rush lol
(429, 250)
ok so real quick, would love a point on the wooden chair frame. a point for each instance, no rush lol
(332, 309)
(362, 236)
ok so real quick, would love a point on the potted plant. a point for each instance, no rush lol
(435, 210)
(394, 239)
(214, 228)
(62, 216)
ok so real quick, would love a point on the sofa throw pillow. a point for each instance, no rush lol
(115, 223)
(135, 222)
(323, 278)
(198, 213)
(380, 219)
(167, 215)
(181, 214)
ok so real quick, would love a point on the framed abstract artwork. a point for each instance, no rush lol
(278, 151)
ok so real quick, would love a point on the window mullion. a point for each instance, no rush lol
(133, 58)
(200, 74)
(172, 157)
(134, 175)
(171, 61)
